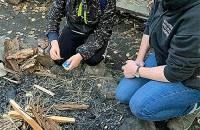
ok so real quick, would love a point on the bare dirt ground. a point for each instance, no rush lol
(28, 22)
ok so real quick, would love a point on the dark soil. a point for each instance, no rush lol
(75, 86)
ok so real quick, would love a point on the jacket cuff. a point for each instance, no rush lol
(83, 53)
(52, 36)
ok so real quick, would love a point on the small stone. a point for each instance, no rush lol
(115, 52)
(33, 19)
(9, 32)
(99, 85)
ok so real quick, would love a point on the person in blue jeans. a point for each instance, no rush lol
(167, 85)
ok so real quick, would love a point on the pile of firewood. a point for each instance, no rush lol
(34, 115)
(20, 60)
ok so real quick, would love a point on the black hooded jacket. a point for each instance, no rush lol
(174, 30)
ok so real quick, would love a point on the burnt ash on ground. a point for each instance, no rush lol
(76, 86)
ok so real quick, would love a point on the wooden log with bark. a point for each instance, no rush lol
(57, 119)
(71, 106)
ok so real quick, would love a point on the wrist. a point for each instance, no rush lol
(80, 56)
(137, 73)
(139, 59)
(54, 43)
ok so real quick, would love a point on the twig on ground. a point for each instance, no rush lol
(71, 106)
(58, 119)
(12, 81)
(44, 90)
(46, 74)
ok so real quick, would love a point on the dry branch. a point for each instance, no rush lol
(58, 119)
(12, 81)
(71, 106)
(44, 90)
(47, 74)
(25, 116)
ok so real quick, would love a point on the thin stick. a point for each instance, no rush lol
(58, 119)
(44, 90)
(13, 81)
(71, 106)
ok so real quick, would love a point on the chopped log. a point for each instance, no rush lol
(25, 116)
(23, 54)
(58, 119)
(11, 46)
(14, 65)
(71, 106)
(45, 122)
(29, 63)
(44, 90)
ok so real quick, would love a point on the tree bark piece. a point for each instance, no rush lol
(23, 54)
(58, 119)
(71, 106)
(25, 116)
(11, 46)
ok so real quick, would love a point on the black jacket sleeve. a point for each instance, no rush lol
(101, 34)
(56, 13)
(183, 58)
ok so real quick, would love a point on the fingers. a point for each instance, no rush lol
(58, 54)
(71, 64)
(55, 54)
(128, 75)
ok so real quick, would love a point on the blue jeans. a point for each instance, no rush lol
(154, 100)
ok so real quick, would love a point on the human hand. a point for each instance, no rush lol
(130, 69)
(55, 50)
(139, 62)
(74, 61)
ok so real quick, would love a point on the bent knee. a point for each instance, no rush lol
(122, 97)
(142, 109)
